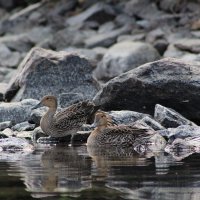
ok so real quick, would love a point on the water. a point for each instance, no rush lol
(75, 172)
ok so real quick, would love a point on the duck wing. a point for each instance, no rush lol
(74, 115)
(124, 135)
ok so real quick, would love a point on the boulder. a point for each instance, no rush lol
(116, 61)
(169, 82)
(45, 72)
(169, 118)
(4, 125)
(23, 126)
(17, 112)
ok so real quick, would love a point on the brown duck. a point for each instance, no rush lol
(67, 121)
(106, 133)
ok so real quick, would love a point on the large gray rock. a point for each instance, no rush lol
(45, 72)
(169, 82)
(169, 118)
(116, 61)
(17, 112)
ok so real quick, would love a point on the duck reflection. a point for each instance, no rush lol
(57, 170)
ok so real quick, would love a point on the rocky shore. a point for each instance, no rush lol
(139, 60)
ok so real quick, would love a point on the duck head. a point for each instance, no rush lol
(103, 119)
(49, 101)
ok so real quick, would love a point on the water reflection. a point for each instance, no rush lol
(82, 172)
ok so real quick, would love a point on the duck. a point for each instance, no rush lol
(108, 134)
(67, 121)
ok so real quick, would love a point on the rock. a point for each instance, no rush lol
(13, 144)
(126, 116)
(24, 126)
(151, 123)
(187, 44)
(67, 99)
(152, 36)
(173, 52)
(133, 38)
(8, 132)
(8, 58)
(169, 82)
(182, 132)
(116, 61)
(37, 133)
(122, 19)
(107, 27)
(63, 72)
(106, 39)
(8, 4)
(36, 115)
(169, 118)
(3, 87)
(143, 9)
(161, 46)
(4, 125)
(70, 37)
(17, 112)
(170, 5)
(99, 12)
(81, 137)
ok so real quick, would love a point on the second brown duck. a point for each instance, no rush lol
(67, 121)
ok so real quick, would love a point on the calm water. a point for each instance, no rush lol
(65, 173)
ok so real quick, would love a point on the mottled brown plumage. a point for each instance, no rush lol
(68, 120)
(124, 135)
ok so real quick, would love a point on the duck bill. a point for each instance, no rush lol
(37, 106)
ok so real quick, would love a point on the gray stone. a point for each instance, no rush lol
(23, 126)
(116, 61)
(170, 5)
(151, 123)
(161, 45)
(4, 125)
(36, 115)
(169, 118)
(126, 116)
(145, 9)
(70, 37)
(3, 87)
(106, 39)
(182, 132)
(99, 12)
(106, 27)
(8, 58)
(188, 44)
(67, 99)
(152, 36)
(45, 72)
(169, 82)
(16, 112)
(15, 144)
(173, 52)
(122, 19)
(133, 38)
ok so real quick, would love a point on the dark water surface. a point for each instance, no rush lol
(66, 172)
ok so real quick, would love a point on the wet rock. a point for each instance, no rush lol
(17, 112)
(169, 82)
(126, 116)
(37, 133)
(24, 126)
(81, 137)
(151, 123)
(47, 72)
(169, 118)
(182, 132)
(99, 12)
(106, 39)
(13, 144)
(116, 61)
(4, 125)
(8, 58)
